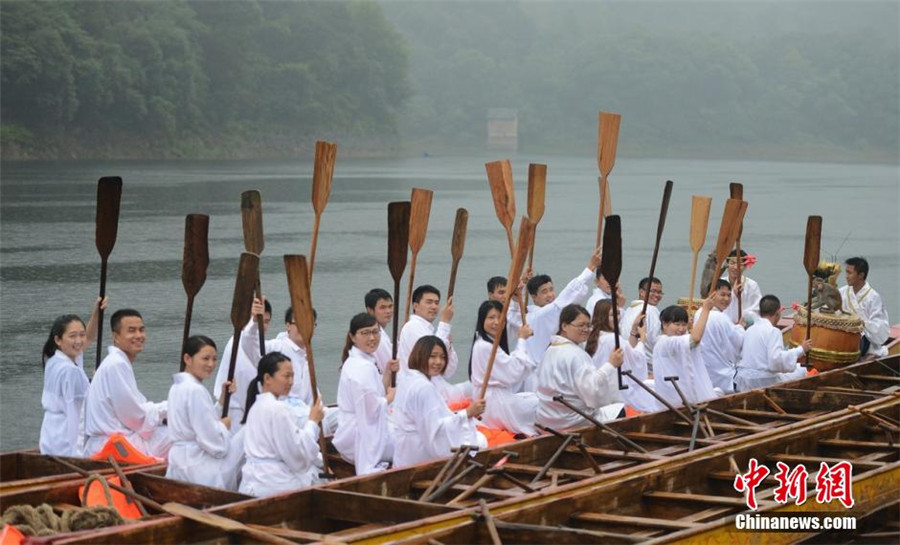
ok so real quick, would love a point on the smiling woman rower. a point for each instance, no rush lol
(203, 451)
(65, 383)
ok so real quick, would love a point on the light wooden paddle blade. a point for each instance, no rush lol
(537, 187)
(251, 221)
(244, 287)
(607, 140)
(813, 240)
(736, 190)
(323, 170)
(398, 237)
(419, 213)
(699, 221)
(109, 197)
(611, 263)
(458, 244)
(523, 244)
(196, 253)
(301, 298)
(499, 175)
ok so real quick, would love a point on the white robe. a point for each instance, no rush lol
(244, 373)
(281, 455)
(677, 356)
(636, 362)
(597, 296)
(654, 326)
(363, 436)
(281, 343)
(721, 348)
(764, 360)
(115, 405)
(567, 370)
(544, 321)
(867, 304)
(384, 352)
(750, 297)
(418, 327)
(505, 408)
(65, 387)
(203, 450)
(425, 428)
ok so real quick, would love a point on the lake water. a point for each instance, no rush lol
(49, 264)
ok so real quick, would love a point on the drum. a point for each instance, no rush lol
(835, 338)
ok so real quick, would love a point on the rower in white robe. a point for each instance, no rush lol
(380, 304)
(281, 455)
(650, 290)
(722, 341)
(203, 450)
(749, 289)
(677, 354)
(859, 298)
(363, 437)
(764, 359)
(567, 370)
(114, 404)
(425, 429)
(603, 292)
(506, 409)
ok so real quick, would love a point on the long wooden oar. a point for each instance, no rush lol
(193, 266)
(109, 195)
(457, 245)
(526, 235)
(607, 140)
(301, 302)
(699, 224)
(323, 170)
(419, 212)
(398, 248)
(241, 308)
(500, 178)
(667, 194)
(737, 192)
(727, 234)
(611, 268)
(537, 189)
(811, 262)
(255, 243)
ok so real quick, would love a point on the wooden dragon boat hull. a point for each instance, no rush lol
(24, 469)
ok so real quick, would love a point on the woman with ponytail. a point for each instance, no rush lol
(203, 450)
(65, 383)
(363, 436)
(280, 454)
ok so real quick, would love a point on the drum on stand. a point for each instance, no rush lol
(835, 338)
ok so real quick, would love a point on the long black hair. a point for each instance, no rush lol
(483, 311)
(268, 365)
(58, 329)
(361, 320)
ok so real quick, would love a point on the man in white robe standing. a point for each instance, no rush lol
(602, 292)
(859, 298)
(764, 359)
(721, 345)
(114, 403)
(748, 288)
(650, 290)
(380, 304)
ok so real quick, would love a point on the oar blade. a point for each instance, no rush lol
(109, 197)
(460, 226)
(611, 263)
(323, 170)
(196, 253)
(812, 246)
(244, 286)
(724, 241)
(419, 213)
(607, 141)
(301, 299)
(736, 191)
(523, 244)
(252, 222)
(537, 187)
(500, 178)
(700, 207)
(398, 237)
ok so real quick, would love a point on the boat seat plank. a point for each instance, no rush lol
(850, 444)
(280, 531)
(707, 514)
(815, 460)
(562, 472)
(627, 520)
(620, 455)
(669, 439)
(766, 414)
(694, 498)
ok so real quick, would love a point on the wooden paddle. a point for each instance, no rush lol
(109, 195)
(255, 243)
(737, 192)
(526, 236)
(537, 187)
(301, 303)
(699, 224)
(611, 268)
(398, 247)
(727, 234)
(607, 140)
(193, 266)
(419, 212)
(457, 244)
(811, 262)
(500, 178)
(323, 170)
(667, 194)
(241, 308)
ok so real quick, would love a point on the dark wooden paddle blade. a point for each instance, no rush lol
(813, 240)
(537, 187)
(523, 244)
(252, 222)
(301, 298)
(109, 197)
(458, 244)
(736, 190)
(419, 213)
(725, 241)
(611, 263)
(196, 253)
(500, 178)
(398, 237)
(607, 141)
(323, 170)
(699, 221)
(244, 287)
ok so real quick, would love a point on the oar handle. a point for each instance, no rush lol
(409, 289)
(187, 330)
(231, 365)
(615, 314)
(693, 280)
(103, 263)
(396, 331)
(261, 322)
(313, 244)
(310, 362)
(452, 284)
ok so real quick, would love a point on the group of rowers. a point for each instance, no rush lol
(558, 370)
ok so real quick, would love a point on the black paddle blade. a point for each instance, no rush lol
(196, 252)
(244, 287)
(398, 237)
(611, 263)
(109, 196)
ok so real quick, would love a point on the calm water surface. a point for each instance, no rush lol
(49, 264)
